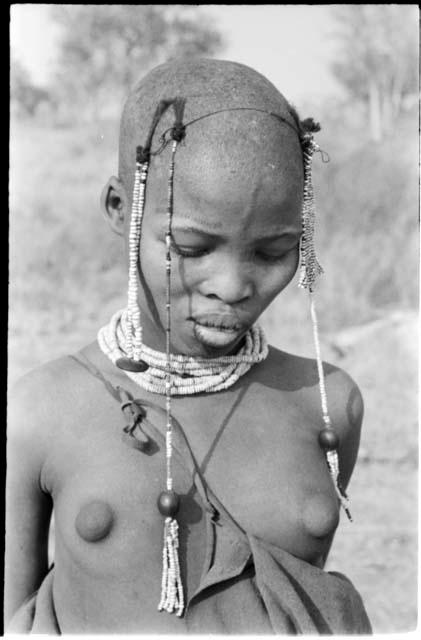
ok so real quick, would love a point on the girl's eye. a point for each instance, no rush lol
(266, 257)
(198, 252)
(189, 252)
(273, 258)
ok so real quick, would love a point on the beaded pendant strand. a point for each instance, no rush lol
(310, 269)
(172, 595)
(132, 361)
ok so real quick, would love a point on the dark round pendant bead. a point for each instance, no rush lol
(127, 364)
(328, 440)
(168, 503)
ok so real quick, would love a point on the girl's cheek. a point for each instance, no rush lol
(291, 266)
(281, 275)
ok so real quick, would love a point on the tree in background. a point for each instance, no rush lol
(25, 96)
(377, 60)
(105, 49)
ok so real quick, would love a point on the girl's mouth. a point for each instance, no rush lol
(216, 337)
(217, 331)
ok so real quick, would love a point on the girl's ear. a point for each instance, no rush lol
(114, 205)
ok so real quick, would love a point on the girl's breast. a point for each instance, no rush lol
(320, 515)
(94, 520)
(287, 499)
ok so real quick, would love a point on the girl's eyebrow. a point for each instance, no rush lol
(192, 229)
(289, 232)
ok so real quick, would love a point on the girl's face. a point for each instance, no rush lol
(235, 246)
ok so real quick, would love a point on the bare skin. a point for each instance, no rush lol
(265, 467)
(236, 237)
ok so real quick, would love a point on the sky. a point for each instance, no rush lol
(290, 44)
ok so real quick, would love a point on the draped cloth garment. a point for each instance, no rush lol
(247, 585)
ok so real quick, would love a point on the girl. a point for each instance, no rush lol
(193, 469)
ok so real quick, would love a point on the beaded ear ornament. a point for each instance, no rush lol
(310, 269)
(169, 374)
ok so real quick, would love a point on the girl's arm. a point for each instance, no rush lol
(28, 506)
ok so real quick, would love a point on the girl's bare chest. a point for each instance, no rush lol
(266, 469)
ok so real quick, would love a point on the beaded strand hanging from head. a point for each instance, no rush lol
(310, 269)
(172, 596)
(133, 359)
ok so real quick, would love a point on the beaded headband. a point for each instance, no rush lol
(172, 597)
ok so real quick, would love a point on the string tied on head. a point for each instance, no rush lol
(309, 125)
(178, 131)
(307, 128)
(144, 153)
(323, 154)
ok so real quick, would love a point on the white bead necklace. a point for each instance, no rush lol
(189, 375)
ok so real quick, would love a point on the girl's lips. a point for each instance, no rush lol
(216, 337)
(222, 321)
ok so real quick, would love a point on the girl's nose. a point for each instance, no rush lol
(231, 282)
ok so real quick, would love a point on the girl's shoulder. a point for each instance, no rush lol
(290, 372)
(35, 390)
(297, 376)
(39, 401)
(36, 405)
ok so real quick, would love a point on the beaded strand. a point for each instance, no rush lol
(168, 381)
(328, 439)
(310, 269)
(132, 359)
(172, 594)
(135, 348)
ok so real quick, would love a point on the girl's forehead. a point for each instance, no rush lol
(234, 172)
(234, 166)
(231, 204)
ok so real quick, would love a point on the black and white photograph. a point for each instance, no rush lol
(212, 395)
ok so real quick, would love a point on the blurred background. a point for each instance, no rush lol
(354, 68)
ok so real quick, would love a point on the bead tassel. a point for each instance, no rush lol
(172, 595)
(331, 455)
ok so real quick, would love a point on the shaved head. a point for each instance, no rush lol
(239, 142)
